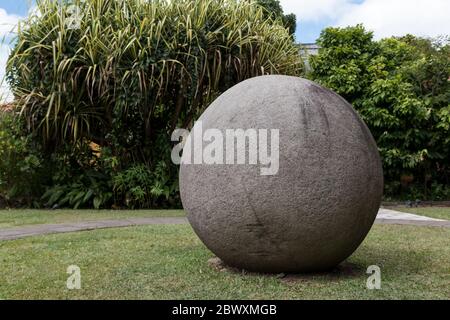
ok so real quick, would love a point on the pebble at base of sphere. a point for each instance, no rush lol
(318, 208)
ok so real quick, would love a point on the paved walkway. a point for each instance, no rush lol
(384, 217)
(41, 229)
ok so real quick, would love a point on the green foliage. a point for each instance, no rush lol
(80, 179)
(22, 167)
(290, 22)
(275, 11)
(138, 187)
(343, 62)
(131, 73)
(136, 66)
(86, 178)
(401, 88)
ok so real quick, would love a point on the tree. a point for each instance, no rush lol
(274, 11)
(401, 88)
(132, 72)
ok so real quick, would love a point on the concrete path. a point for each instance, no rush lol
(384, 217)
(396, 215)
(41, 229)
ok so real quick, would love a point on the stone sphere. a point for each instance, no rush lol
(315, 210)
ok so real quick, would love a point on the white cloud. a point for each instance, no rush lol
(8, 22)
(316, 10)
(8, 25)
(385, 17)
(396, 18)
(5, 94)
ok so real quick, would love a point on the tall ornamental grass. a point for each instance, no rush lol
(132, 69)
(101, 84)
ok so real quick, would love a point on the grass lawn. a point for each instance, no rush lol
(169, 262)
(432, 212)
(16, 218)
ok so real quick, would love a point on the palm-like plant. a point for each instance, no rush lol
(133, 68)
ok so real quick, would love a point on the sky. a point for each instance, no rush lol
(428, 18)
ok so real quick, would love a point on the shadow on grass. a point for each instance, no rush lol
(392, 261)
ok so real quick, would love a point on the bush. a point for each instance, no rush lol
(273, 9)
(22, 167)
(81, 179)
(127, 76)
(401, 88)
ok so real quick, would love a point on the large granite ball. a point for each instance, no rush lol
(319, 206)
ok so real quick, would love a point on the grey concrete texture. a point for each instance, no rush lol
(322, 203)
(44, 229)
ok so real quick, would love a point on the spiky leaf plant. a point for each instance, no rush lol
(121, 75)
(131, 68)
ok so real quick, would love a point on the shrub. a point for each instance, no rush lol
(138, 187)
(22, 167)
(81, 179)
(273, 9)
(135, 67)
(401, 88)
(130, 73)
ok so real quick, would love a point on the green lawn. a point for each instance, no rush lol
(432, 212)
(169, 262)
(15, 218)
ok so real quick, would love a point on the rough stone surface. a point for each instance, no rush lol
(322, 203)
